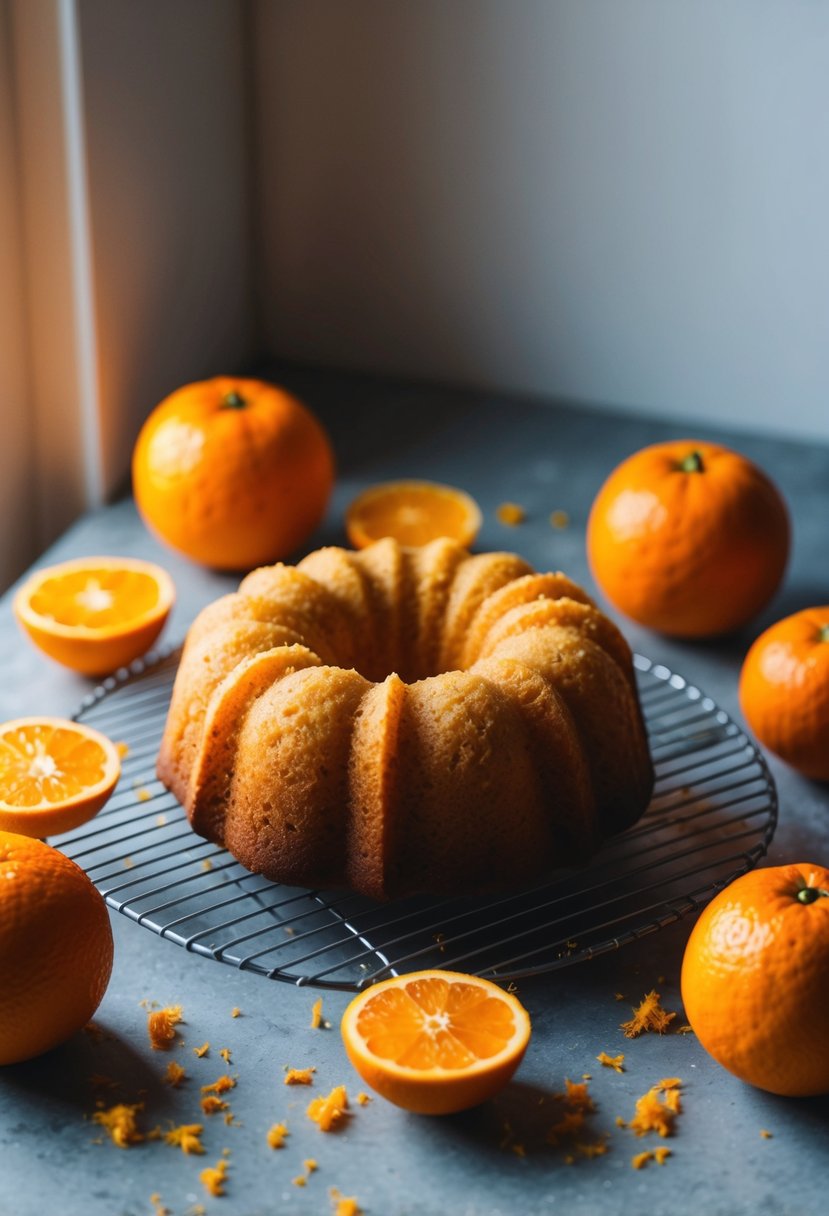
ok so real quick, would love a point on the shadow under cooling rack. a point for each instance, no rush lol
(712, 818)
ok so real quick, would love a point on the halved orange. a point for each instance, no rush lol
(436, 1042)
(54, 775)
(95, 614)
(412, 513)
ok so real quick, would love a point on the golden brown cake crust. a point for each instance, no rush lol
(401, 720)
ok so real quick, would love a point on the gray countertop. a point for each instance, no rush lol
(499, 449)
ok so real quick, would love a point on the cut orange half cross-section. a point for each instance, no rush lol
(54, 775)
(95, 614)
(413, 513)
(436, 1042)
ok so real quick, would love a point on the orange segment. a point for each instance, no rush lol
(435, 1041)
(97, 613)
(413, 513)
(54, 775)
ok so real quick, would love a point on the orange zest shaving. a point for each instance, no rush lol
(235, 1012)
(614, 1062)
(211, 1105)
(653, 1115)
(567, 1128)
(660, 1155)
(224, 1052)
(363, 1099)
(187, 1137)
(316, 1014)
(300, 1076)
(201, 1051)
(220, 1086)
(143, 795)
(576, 1096)
(161, 1026)
(345, 1205)
(766, 1135)
(120, 1122)
(276, 1135)
(174, 1074)
(649, 1015)
(159, 1209)
(641, 1159)
(510, 513)
(329, 1112)
(214, 1177)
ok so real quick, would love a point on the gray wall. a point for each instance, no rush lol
(619, 201)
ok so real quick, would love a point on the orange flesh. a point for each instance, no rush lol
(431, 1024)
(95, 599)
(413, 514)
(44, 764)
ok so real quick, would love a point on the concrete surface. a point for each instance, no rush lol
(398, 1164)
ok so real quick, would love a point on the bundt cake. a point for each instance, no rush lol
(404, 721)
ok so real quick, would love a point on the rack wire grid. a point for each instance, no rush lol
(711, 819)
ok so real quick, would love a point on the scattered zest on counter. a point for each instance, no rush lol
(657, 1115)
(159, 1209)
(345, 1205)
(201, 1051)
(310, 1165)
(161, 1026)
(211, 1105)
(120, 1122)
(213, 1178)
(317, 1021)
(765, 1135)
(576, 1096)
(614, 1062)
(220, 1086)
(658, 1155)
(187, 1137)
(363, 1099)
(649, 1015)
(329, 1112)
(174, 1075)
(235, 1012)
(299, 1076)
(276, 1135)
(224, 1052)
(511, 514)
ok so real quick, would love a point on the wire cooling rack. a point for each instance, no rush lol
(712, 818)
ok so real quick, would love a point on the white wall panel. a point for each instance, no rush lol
(166, 129)
(620, 201)
(18, 488)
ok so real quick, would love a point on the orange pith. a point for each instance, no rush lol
(95, 614)
(54, 775)
(413, 513)
(436, 1042)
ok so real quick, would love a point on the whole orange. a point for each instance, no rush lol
(55, 948)
(755, 979)
(233, 472)
(784, 690)
(688, 538)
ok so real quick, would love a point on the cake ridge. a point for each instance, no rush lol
(400, 721)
